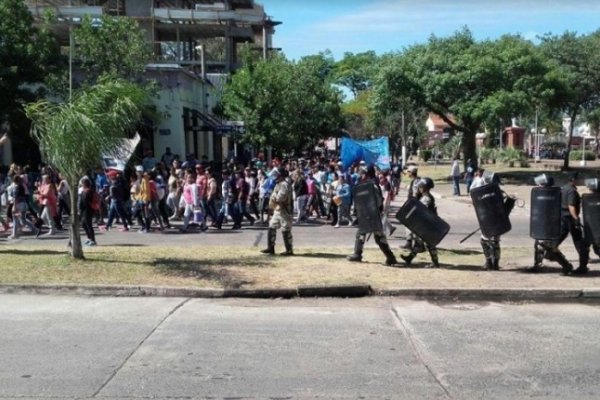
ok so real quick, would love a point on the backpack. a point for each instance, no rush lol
(95, 203)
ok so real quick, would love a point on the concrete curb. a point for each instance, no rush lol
(341, 291)
(509, 294)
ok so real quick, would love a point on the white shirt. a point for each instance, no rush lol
(455, 168)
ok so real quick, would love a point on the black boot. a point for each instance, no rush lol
(581, 270)
(495, 256)
(567, 268)
(407, 259)
(538, 259)
(287, 241)
(271, 236)
(390, 258)
(487, 252)
(434, 259)
(359, 243)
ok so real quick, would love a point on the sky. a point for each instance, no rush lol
(311, 26)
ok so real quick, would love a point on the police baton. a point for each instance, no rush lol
(470, 234)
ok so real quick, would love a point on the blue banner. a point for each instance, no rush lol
(375, 152)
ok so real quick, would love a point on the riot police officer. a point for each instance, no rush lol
(590, 204)
(281, 202)
(546, 249)
(418, 245)
(368, 203)
(497, 220)
(570, 222)
(412, 192)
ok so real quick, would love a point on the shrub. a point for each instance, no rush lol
(576, 155)
(511, 155)
(426, 155)
(488, 154)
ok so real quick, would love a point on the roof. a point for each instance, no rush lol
(438, 122)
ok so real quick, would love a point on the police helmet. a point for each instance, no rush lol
(544, 180)
(592, 184)
(426, 182)
(491, 177)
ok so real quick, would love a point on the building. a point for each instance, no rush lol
(438, 130)
(195, 44)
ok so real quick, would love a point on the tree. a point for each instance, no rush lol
(73, 136)
(27, 55)
(575, 62)
(474, 82)
(287, 105)
(356, 71)
(112, 46)
(356, 113)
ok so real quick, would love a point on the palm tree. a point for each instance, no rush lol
(73, 136)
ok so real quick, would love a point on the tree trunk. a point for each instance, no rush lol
(76, 248)
(468, 146)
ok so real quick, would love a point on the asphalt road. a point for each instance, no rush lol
(457, 211)
(373, 348)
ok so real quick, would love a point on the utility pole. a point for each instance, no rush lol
(403, 139)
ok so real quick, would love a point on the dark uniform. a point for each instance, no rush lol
(570, 224)
(418, 244)
(412, 192)
(368, 175)
(548, 249)
(591, 218)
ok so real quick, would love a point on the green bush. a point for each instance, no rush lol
(426, 155)
(510, 155)
(488, 154)
(576, 155)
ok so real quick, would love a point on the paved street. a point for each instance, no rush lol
(457, 211)
(373, 348)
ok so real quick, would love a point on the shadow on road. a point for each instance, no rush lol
(462, 252)
(321, 255)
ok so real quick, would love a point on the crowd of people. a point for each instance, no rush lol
(193, 194)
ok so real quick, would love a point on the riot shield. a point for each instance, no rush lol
(545, 213)
(422, 222)
(367, 200)
(590, 204)
(491, 212)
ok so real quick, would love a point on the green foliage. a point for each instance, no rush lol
(475, 82)
(426, 154)
(576, 68)
(73, 136)
(451, 148)
(577, 155)
(287, 105)
(356, 71)
(112, 46)
(26, 57)
(510, 155)
(488, 154)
